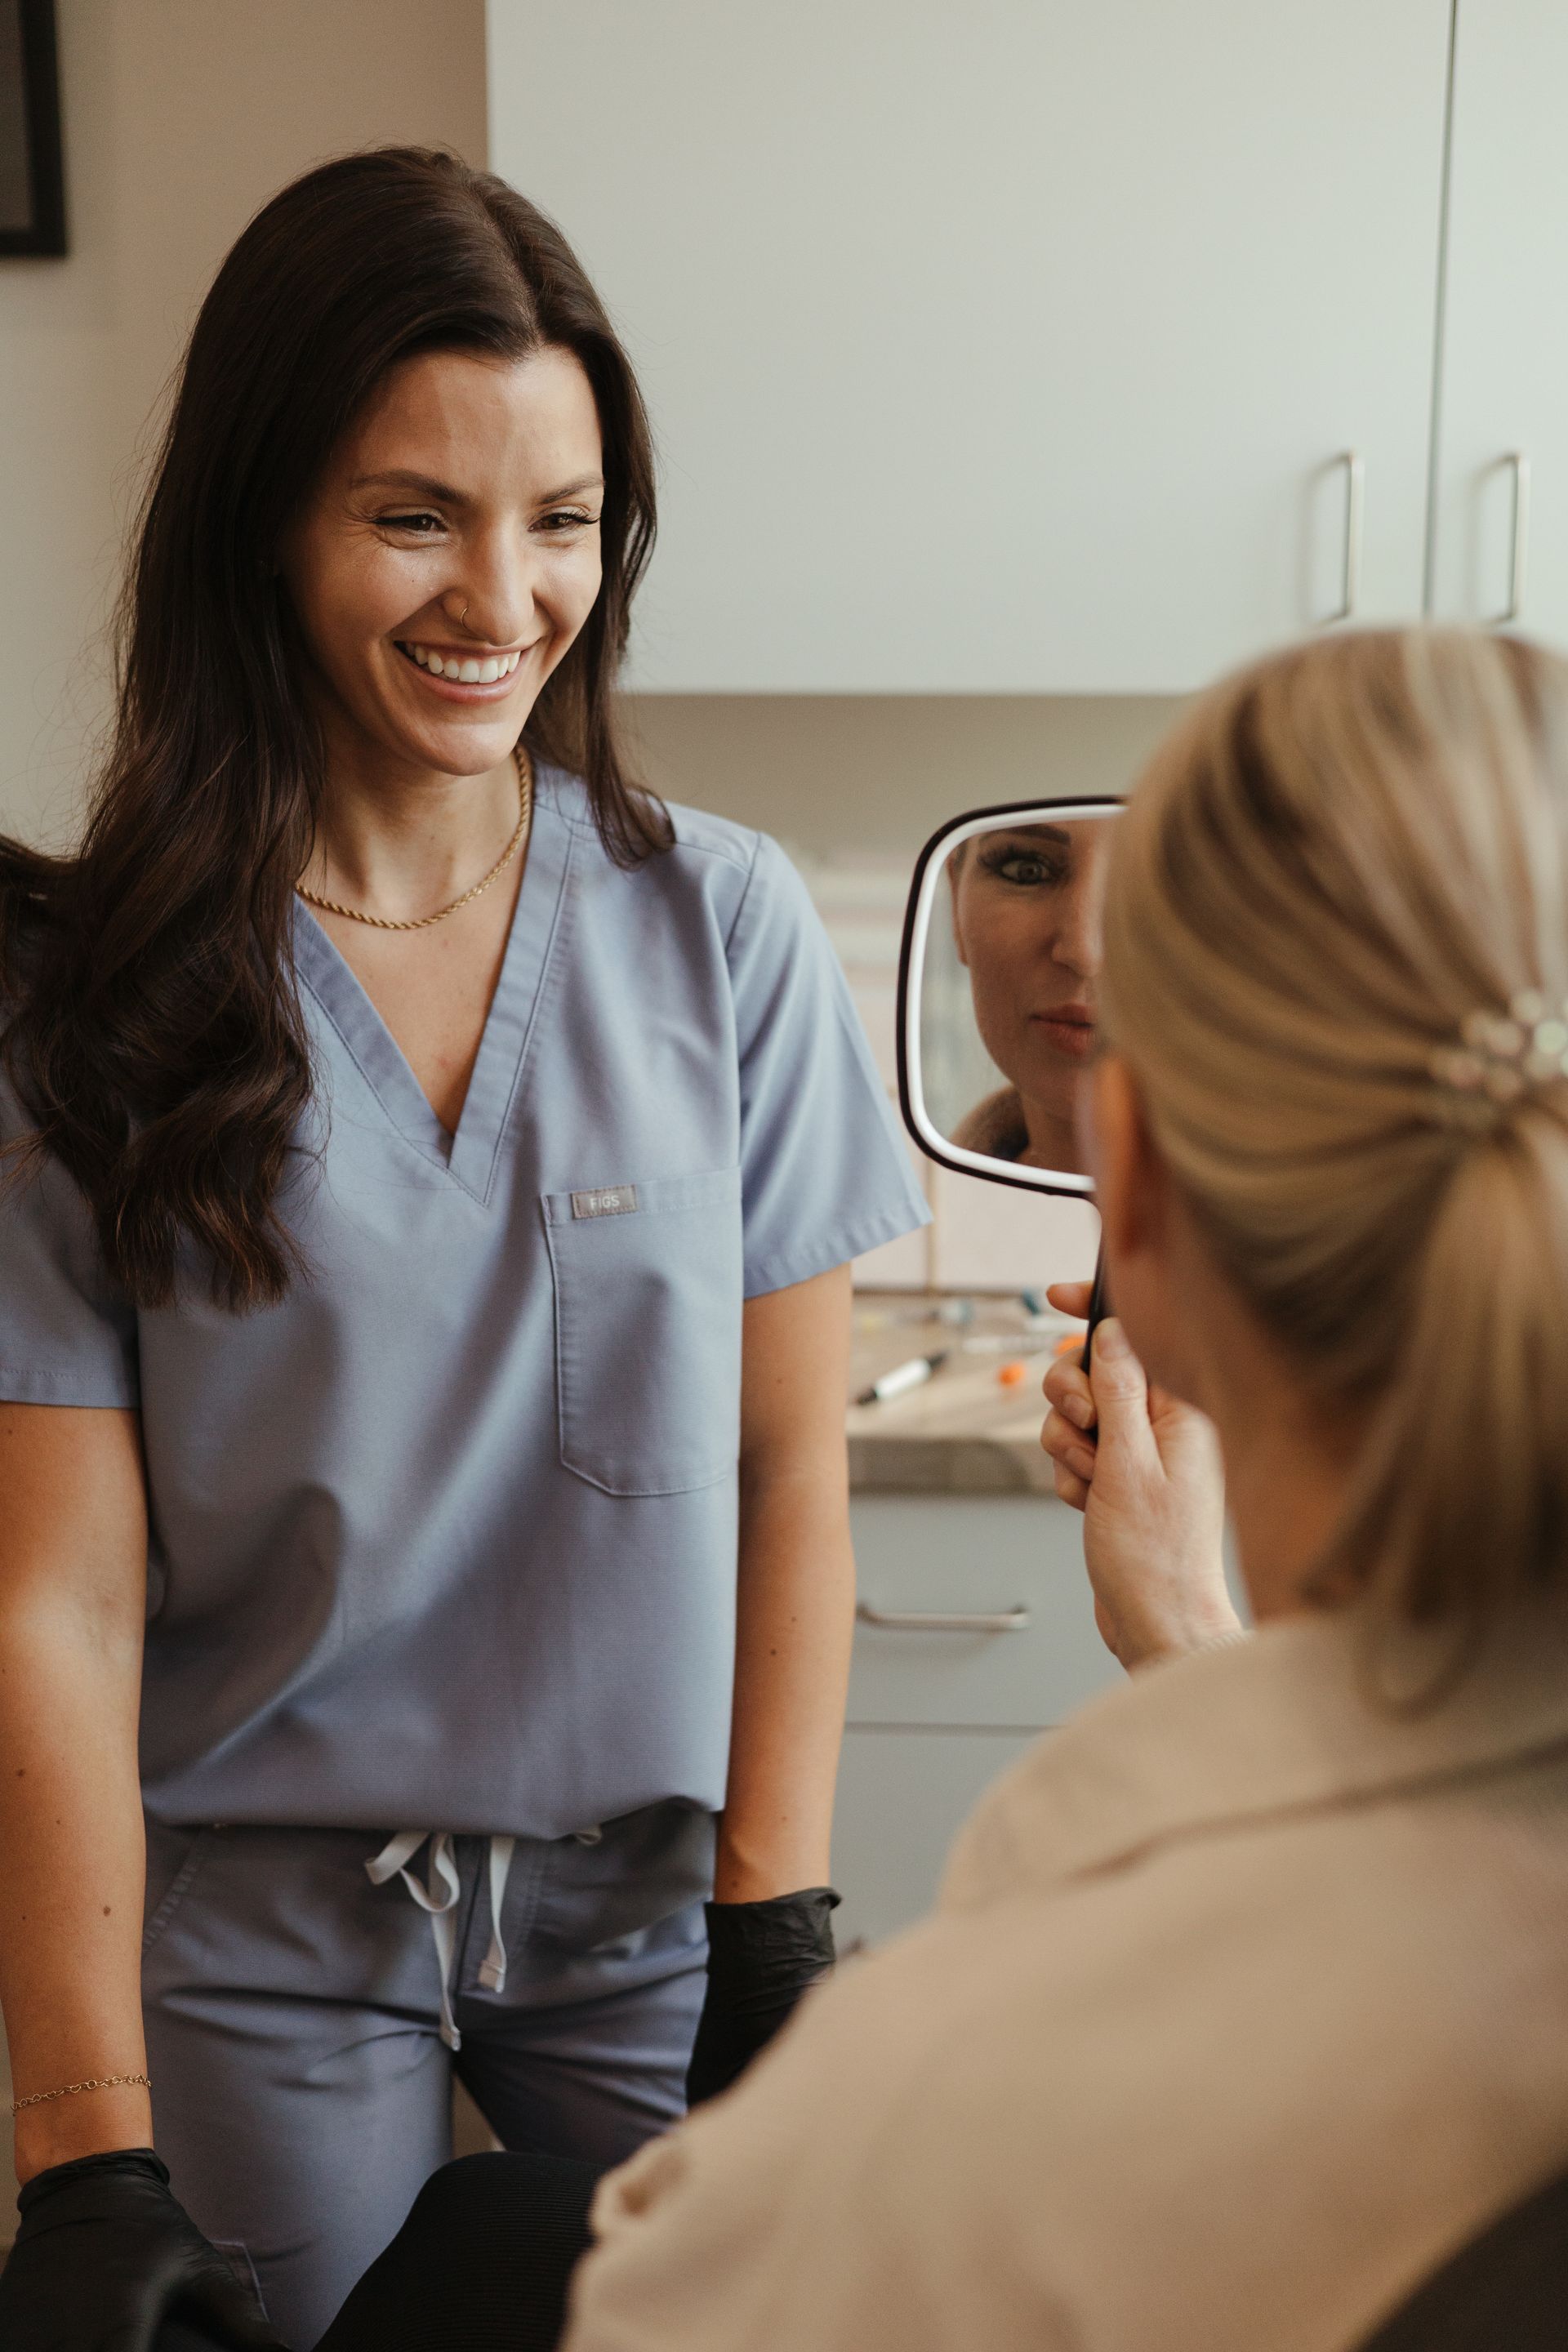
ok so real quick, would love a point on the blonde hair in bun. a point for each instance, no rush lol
(1340, 858)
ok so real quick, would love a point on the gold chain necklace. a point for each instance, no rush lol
(524, 767)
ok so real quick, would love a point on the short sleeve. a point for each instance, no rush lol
(824, 1170)
(66, 1336)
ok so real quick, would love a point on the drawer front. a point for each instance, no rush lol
(985, 1556)
(903, 1797)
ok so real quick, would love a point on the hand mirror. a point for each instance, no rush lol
(998, 989)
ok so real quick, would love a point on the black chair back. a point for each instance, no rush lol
(1507, 2291)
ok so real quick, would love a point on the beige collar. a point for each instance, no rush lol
(1277, 1723)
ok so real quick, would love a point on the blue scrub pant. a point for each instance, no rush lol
(301, 2084)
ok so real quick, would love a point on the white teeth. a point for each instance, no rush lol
(468, 669)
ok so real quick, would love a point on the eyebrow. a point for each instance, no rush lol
(1055, 833)
(423, 485)
(426, 485)
(571, 490)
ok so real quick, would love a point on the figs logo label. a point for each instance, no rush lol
(615, 1201)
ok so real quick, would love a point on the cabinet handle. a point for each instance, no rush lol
(1355, 502)
(928, 1620)
(1518, 538)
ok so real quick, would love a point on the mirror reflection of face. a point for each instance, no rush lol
(1027, 914)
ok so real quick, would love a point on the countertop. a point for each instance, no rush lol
(965, 1431)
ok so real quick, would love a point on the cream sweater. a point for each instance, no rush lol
(1246, 2003)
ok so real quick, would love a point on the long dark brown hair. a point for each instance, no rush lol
(155, 1034)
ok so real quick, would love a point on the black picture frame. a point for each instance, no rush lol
(32, 171)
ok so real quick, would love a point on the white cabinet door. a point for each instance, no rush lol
(936, 1714)
(1000, 345)
(1504, 384)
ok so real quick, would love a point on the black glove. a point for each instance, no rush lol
(760, 1957)
(105, 2254)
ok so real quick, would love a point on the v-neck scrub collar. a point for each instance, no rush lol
(469, 1155)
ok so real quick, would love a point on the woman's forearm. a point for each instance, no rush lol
(797, 1592)
(72, 1585)
(797, 1614)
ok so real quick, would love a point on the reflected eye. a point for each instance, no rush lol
(1026, 869)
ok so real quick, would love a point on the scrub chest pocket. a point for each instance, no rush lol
(649, 1294)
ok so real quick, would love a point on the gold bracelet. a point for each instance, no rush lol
(68, 2090)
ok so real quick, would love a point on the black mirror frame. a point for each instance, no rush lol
(1085, 803)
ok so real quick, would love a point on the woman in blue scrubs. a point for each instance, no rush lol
(423, 1300)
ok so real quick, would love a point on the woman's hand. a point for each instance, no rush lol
(104, 2256)
(761, 1956)
(1145, 1472)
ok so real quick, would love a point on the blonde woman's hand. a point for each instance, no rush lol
(1144, 1470)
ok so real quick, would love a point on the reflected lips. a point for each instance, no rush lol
(1070, 1027)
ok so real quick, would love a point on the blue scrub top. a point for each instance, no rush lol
(449, 1537)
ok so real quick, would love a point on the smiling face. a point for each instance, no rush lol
(1026, 912)
(448, 556)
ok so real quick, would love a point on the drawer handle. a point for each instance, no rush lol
(928, 1620)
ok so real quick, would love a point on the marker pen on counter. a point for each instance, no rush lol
(901, 1378)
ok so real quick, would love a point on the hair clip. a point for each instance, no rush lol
(1501, 1055)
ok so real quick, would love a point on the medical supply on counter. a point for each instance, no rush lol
(902, 1378)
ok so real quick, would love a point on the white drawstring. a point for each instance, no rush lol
(492, 1967)
(393, 1862)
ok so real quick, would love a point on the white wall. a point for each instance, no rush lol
(830, 773)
